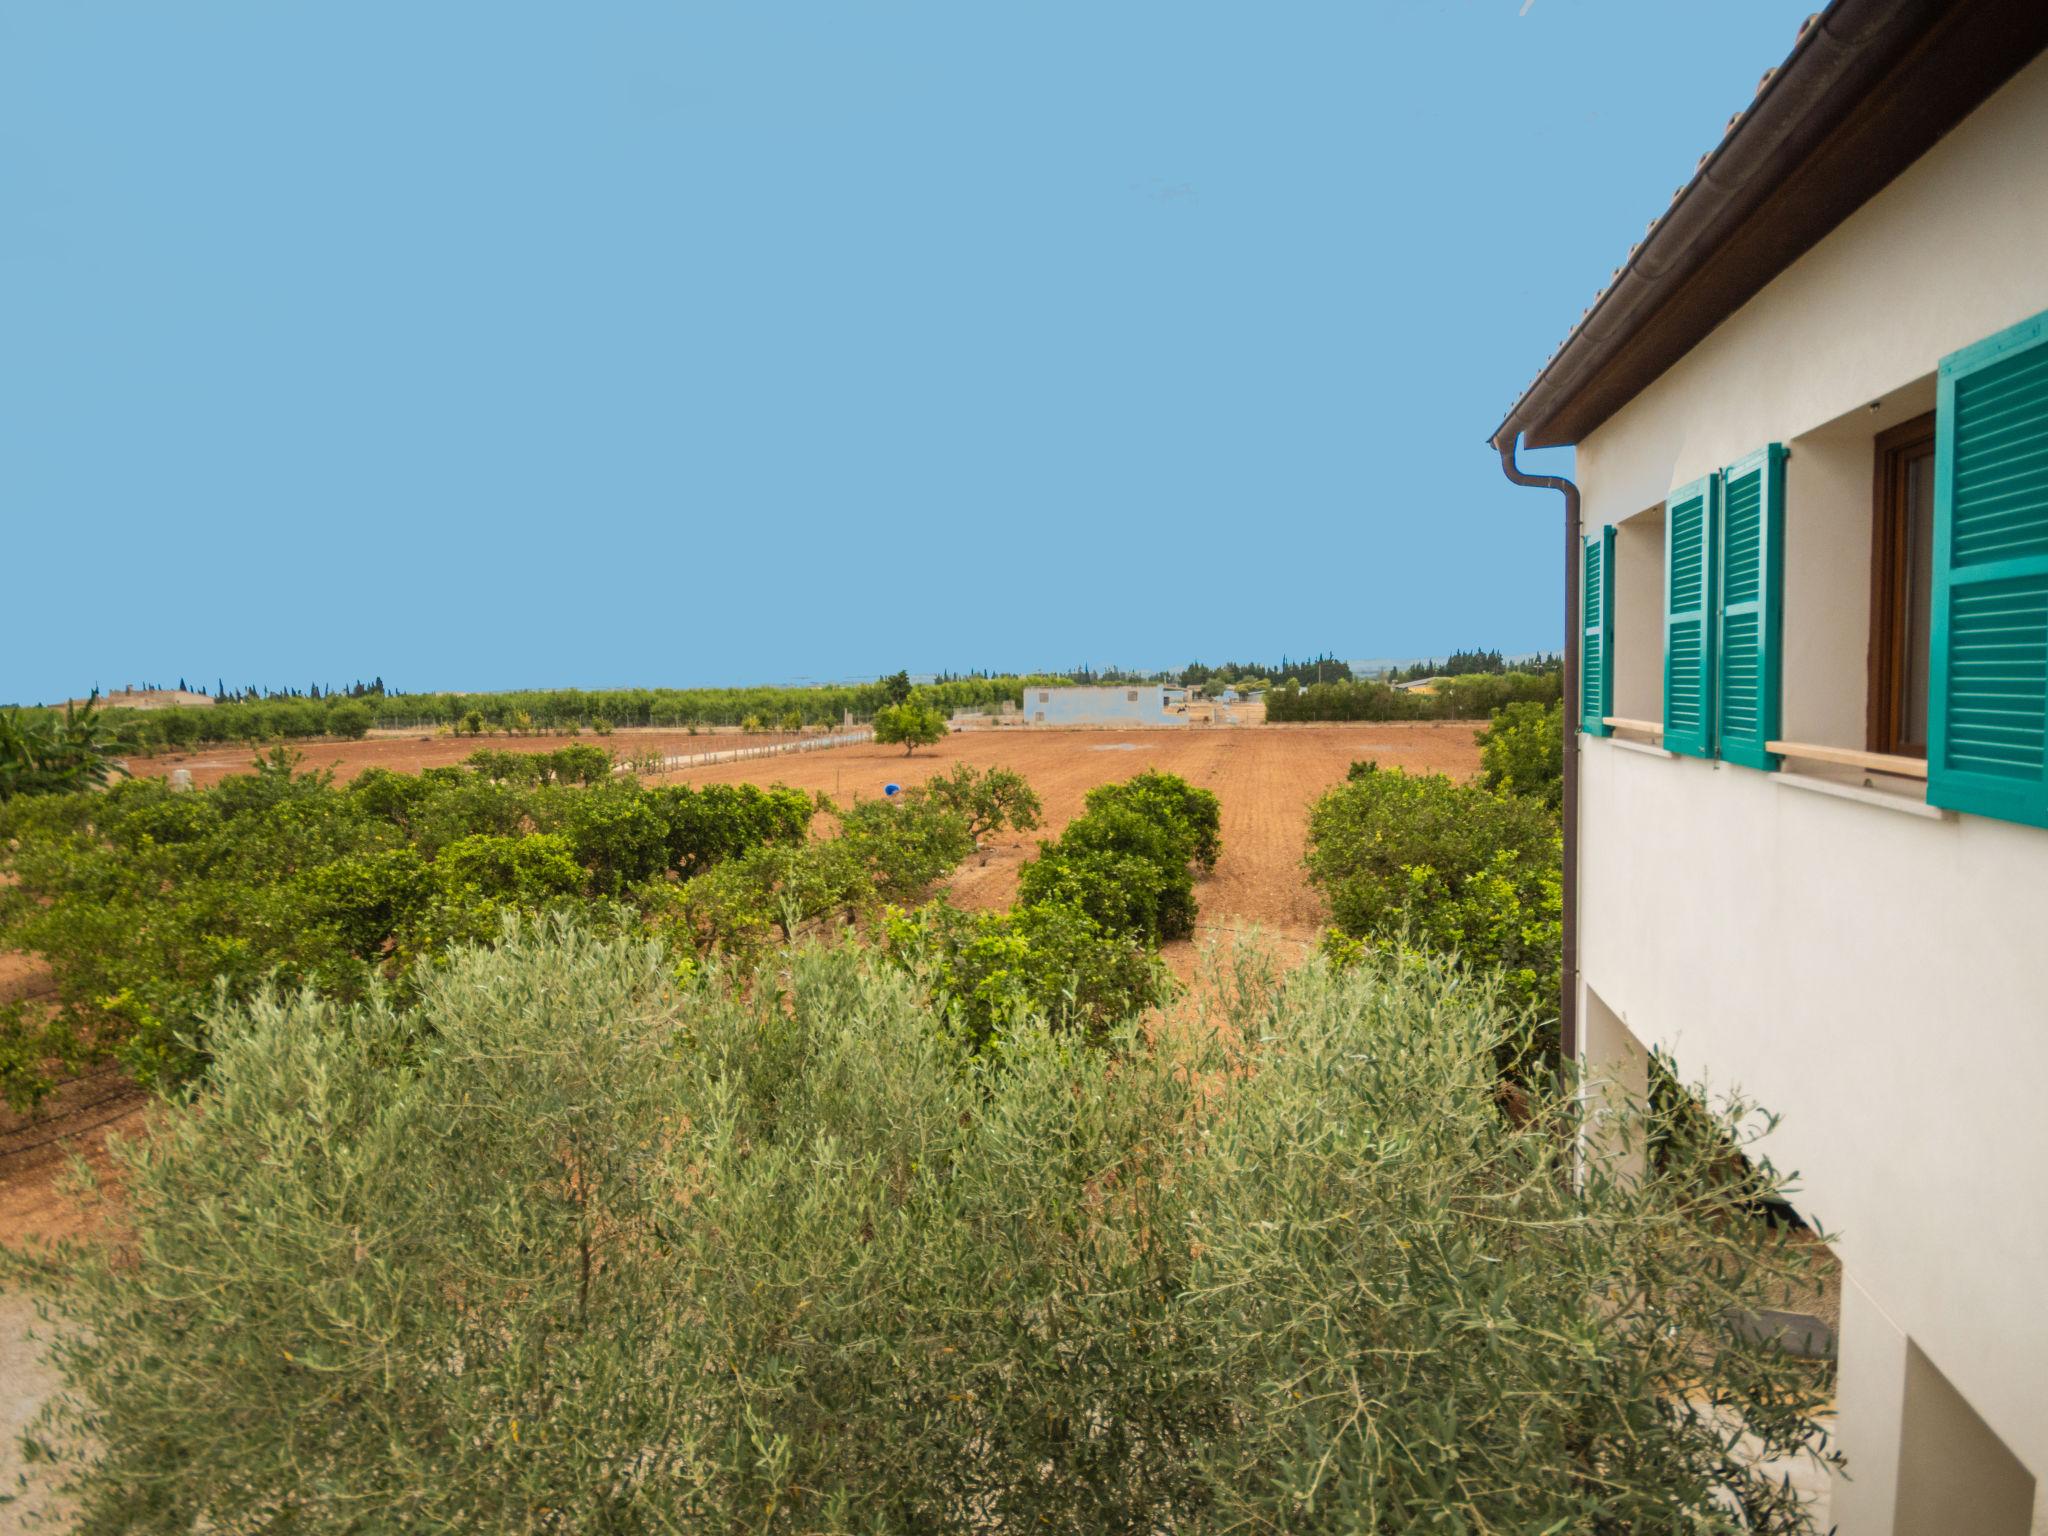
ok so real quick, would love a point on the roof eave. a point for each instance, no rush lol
(1868, 88)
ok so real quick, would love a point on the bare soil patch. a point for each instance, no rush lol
(1266, 777)
(410, 752)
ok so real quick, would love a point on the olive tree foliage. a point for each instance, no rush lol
(575, 1246)
(914, 725)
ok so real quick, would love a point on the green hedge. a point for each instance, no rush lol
(1474, 697)
(575, 1247)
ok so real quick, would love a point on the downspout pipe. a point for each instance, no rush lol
(1568, 992)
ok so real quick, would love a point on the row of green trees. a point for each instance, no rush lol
(349, 717)
(1475, 696)
(152, 906)
(1462, 663)
(1332, 694)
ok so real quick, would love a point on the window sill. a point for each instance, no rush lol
(1623, 744)
(1908, 799)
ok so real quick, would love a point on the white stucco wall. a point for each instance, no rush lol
(1877, 977)
(1880, 980)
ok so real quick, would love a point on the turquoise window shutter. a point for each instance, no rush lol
(1691, 519)
(1596, 638)
(1749, 614)
(1987, 718)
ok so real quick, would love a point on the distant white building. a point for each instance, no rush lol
(1125, 704)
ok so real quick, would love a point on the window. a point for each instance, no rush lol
(1043, 697)
(1131, 697)
(1902, 587)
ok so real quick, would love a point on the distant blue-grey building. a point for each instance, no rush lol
(1124, 704)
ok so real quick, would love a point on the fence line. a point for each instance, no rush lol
(741, 754)
(565, 727)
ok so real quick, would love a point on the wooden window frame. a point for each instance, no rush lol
(1890, 585)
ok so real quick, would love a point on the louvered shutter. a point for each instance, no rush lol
(1748, 623)
(1987, 727)
(1596, 638)
(1690, 522)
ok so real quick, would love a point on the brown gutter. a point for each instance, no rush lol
(1568, 991)
(1868, 88)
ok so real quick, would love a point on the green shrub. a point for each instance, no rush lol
(350, 720)
(532, 871)
(1050, 961)
(780, 885)
(578, 764)
(1126, 861)
(616, 833)
(884, 852)
(722, 821)
(1171, 799)
(907, 845)
(1522, 752)
(392, 797)
(1127, 872)
(502, 767)
(45, 753)
(988, 800)
(365, 898)
(572, 1248)
(1452, 868)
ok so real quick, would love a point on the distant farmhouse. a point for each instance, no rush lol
(1123, 704)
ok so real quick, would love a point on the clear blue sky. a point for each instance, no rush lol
(517, 344)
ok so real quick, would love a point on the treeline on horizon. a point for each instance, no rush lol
(349, 716)
(1475, 696)
(253, 714)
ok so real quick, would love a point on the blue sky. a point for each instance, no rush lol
(512, 344)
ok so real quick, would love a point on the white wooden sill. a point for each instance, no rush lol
(1870, 785)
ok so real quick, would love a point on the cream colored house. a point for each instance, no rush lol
(1807, 697)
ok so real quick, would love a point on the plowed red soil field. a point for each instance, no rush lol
(409, 754)
(1265, 776)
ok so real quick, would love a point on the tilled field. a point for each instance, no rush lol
(404, 753)
(1266, 777)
